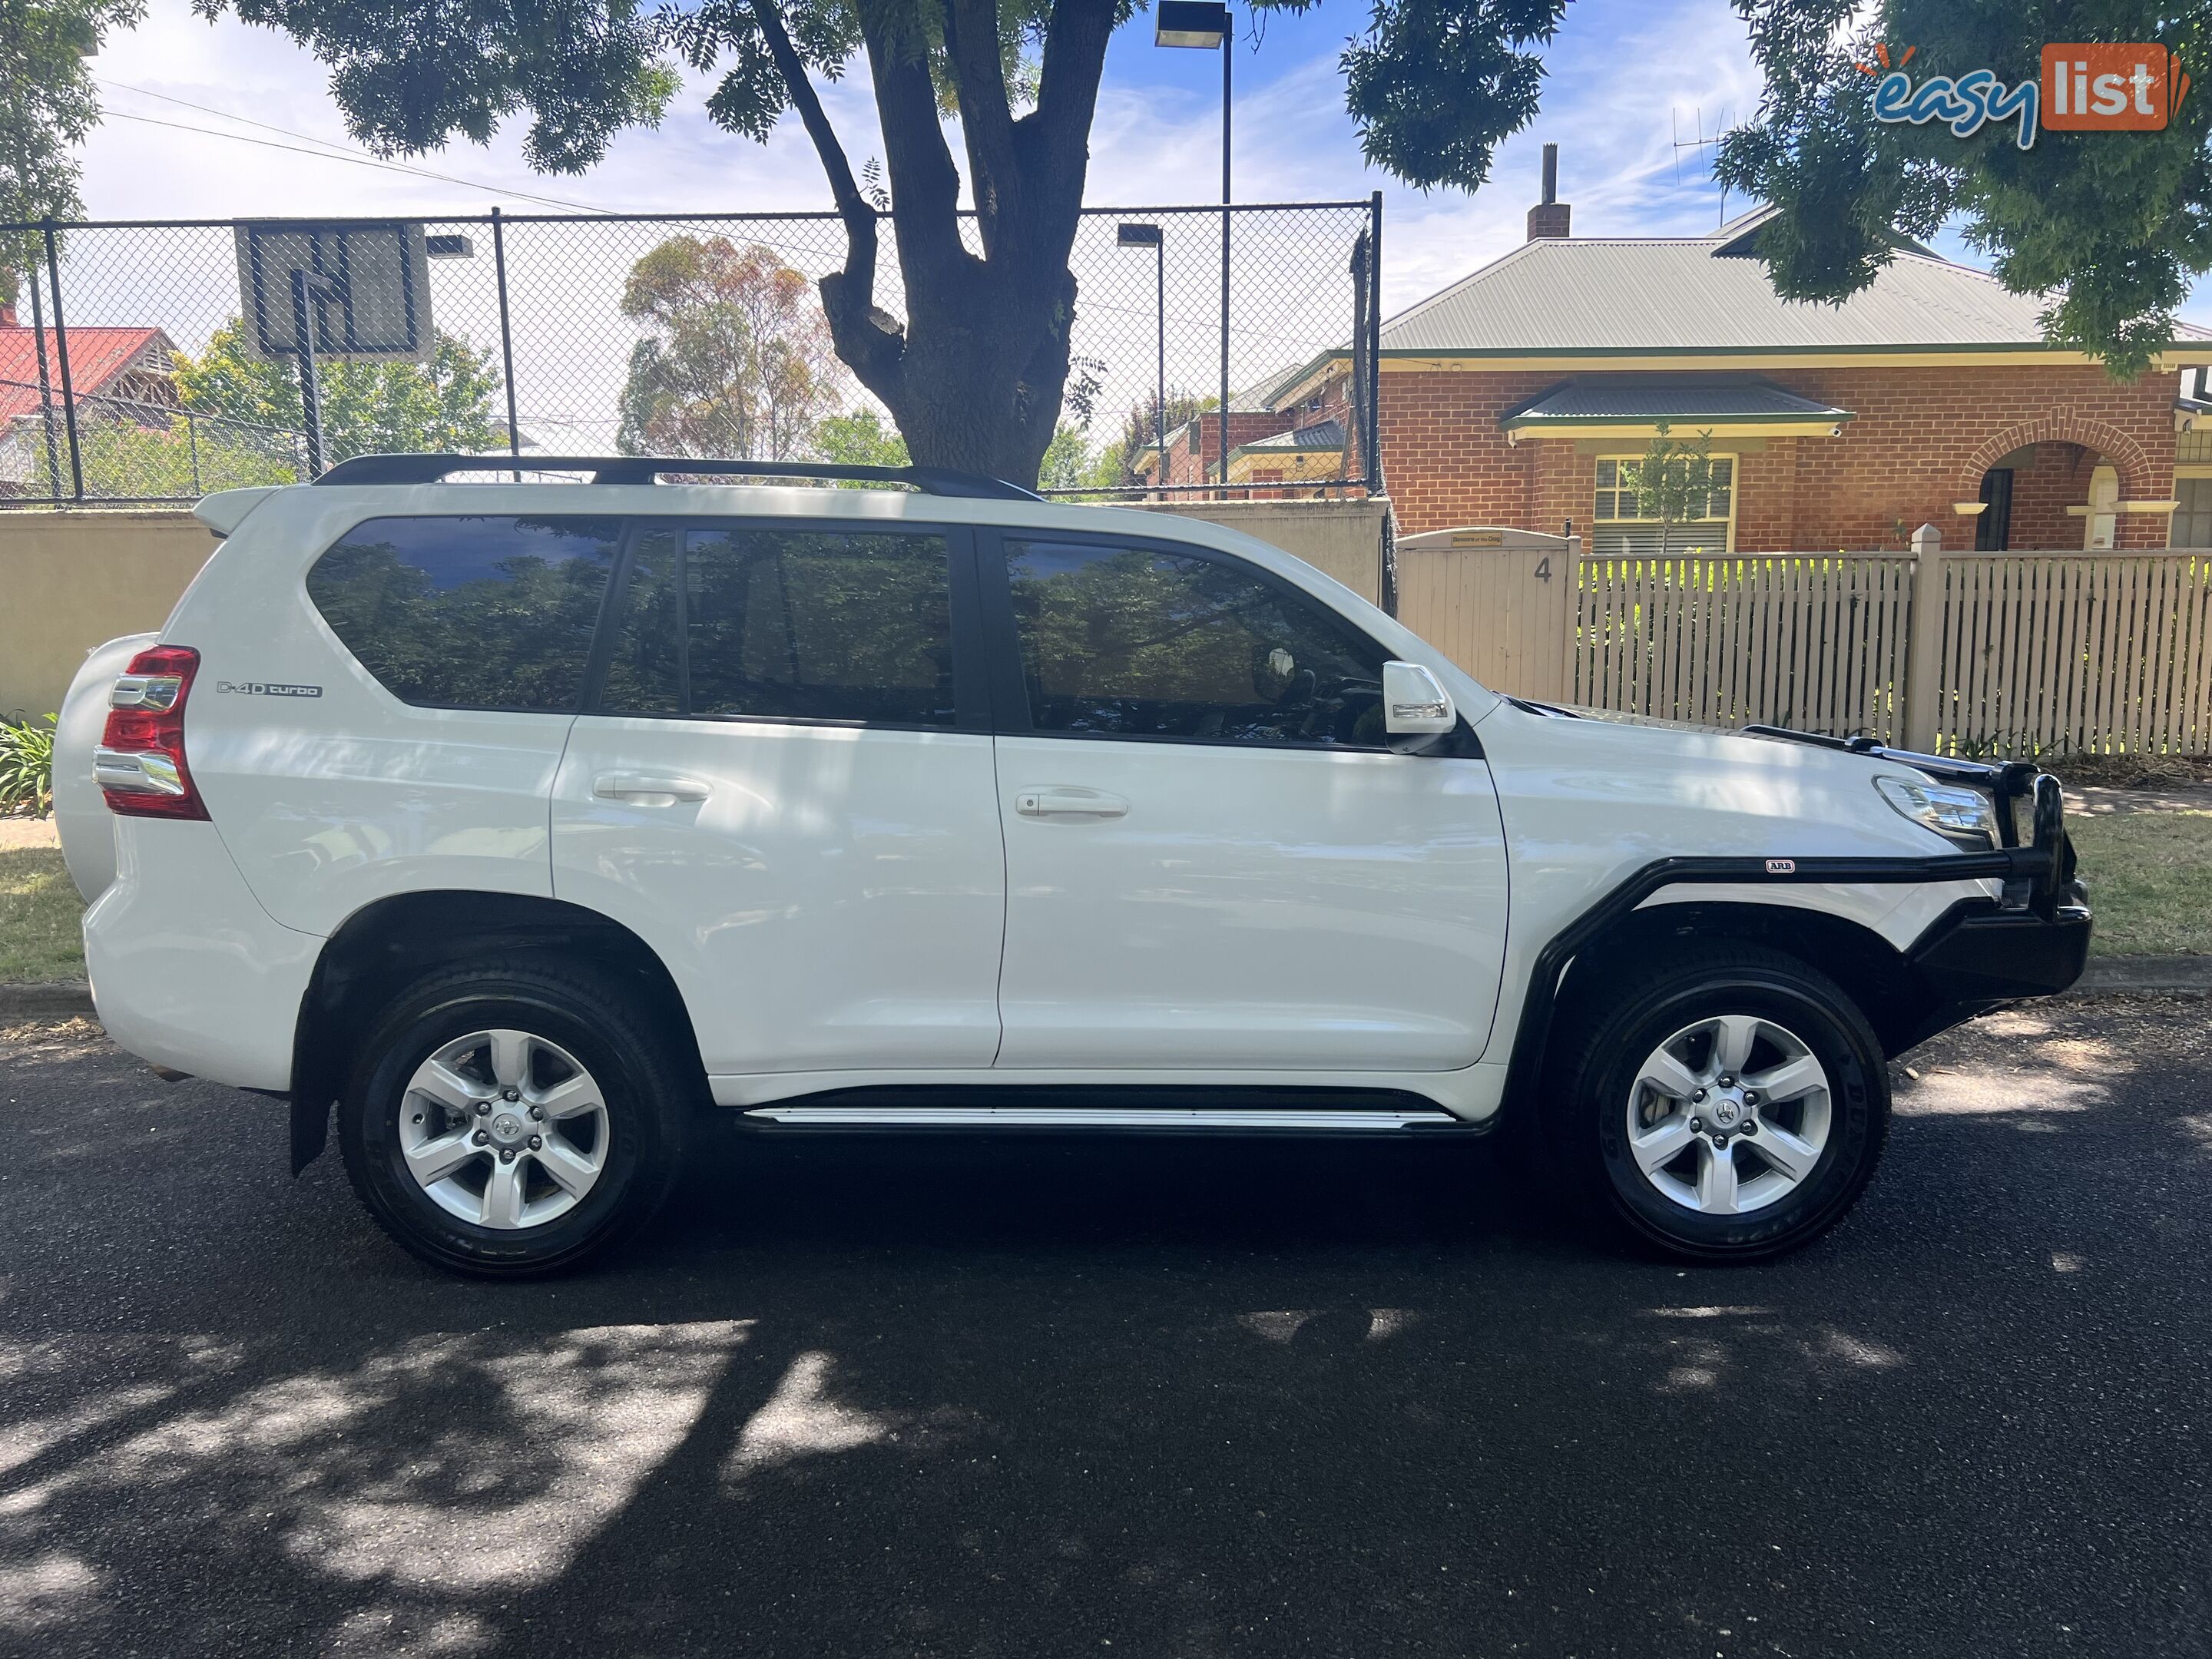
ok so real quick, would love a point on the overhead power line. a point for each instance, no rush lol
(327, 150)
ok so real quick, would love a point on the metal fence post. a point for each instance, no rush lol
(505, 332)
(45, 389)
(1374, 433)
(61, 351)
(311, 393)
(1923, 662)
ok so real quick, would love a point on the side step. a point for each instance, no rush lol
(1250, 1119)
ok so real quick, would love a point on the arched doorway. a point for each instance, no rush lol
(2050, 495)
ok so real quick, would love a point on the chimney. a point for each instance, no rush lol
(1549, 216)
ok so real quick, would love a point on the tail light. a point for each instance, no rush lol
(140, 763)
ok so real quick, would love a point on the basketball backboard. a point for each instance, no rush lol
(368, 287)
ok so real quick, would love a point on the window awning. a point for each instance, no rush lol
(1635, 406)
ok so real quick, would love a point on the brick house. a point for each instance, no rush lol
(1514, 396)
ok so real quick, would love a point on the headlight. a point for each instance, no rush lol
(1961, 814)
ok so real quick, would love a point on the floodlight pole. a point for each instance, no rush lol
(1228, 58)
(310, 398)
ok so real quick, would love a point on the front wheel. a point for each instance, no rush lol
(513, 1121)
(1729, 1105)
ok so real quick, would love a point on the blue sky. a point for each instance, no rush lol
(1626, 76)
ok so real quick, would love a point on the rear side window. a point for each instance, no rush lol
(746, 622)
(470, 612)
(1131, 642)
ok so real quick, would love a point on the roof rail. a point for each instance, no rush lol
(648, 468)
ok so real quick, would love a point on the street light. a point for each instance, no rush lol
(1149, 236)
(1204, 25)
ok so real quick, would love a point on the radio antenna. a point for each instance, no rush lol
(1701, 141)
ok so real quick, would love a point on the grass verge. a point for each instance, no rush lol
(2150, 882)
(40, 912)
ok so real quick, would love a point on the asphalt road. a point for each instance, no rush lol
(1158, 1398)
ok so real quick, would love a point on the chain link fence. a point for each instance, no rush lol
(128, 371)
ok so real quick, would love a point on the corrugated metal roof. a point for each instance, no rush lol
(1573, 294)
(1649, 398)
(1327, 435)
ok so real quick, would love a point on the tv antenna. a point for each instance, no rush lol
(1702, 141)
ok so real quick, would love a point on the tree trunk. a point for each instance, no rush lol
(975, 377)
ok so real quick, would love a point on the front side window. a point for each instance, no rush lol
(1637, 516)
(464, 611)
(1131, 642)
(828, 625)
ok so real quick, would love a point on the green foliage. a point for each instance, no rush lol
(48, 102)
(860, 438)
(738, 362)
(27, 766)
(2114, 224)
(1673, 480)
(1066, 460)
(123, 459)
(1434, 84)
(368, 408)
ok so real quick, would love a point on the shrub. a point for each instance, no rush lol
(27, 766)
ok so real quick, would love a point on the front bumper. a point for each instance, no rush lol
(1980, 957)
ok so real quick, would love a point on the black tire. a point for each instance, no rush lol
(650, 1098)
(1612, 1030)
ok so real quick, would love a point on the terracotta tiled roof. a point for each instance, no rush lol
(98, 358)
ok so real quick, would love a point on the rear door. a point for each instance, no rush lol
(784, 784)
(1213, 859)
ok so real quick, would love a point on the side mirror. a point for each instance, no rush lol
(1417, 712)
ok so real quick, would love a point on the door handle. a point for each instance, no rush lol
(1068, 802)
(648, 792)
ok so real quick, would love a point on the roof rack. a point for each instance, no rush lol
(648, 468)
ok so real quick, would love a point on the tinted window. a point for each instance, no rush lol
(790, 624)
(1132, 643)
(467, 612)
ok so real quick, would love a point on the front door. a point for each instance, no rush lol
(785, 787)
(1213, 859)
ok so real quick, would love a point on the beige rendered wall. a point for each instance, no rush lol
(1341, 539)
(70, 580)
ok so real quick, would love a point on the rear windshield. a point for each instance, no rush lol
(469, 611)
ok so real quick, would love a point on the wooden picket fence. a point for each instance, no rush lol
(1962, 652)
(1790, 639)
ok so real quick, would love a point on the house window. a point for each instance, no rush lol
(2192, 525)
(1626, 523)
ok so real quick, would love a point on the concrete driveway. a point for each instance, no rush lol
(1155, 1398)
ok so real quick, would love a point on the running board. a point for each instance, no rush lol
(1097, 1117)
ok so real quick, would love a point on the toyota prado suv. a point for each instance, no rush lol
(517, 824)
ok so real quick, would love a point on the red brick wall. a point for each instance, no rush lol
(1921, 440)
(1201, 463)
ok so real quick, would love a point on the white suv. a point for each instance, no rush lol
(526, 820)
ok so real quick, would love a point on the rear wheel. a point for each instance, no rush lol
(514, 1121)
(1729, 1105)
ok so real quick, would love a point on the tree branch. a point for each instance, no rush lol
(868, 338)
(1053, 141)
(925, 185)
(986, 116)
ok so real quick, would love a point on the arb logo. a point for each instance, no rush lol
(2106, 89)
